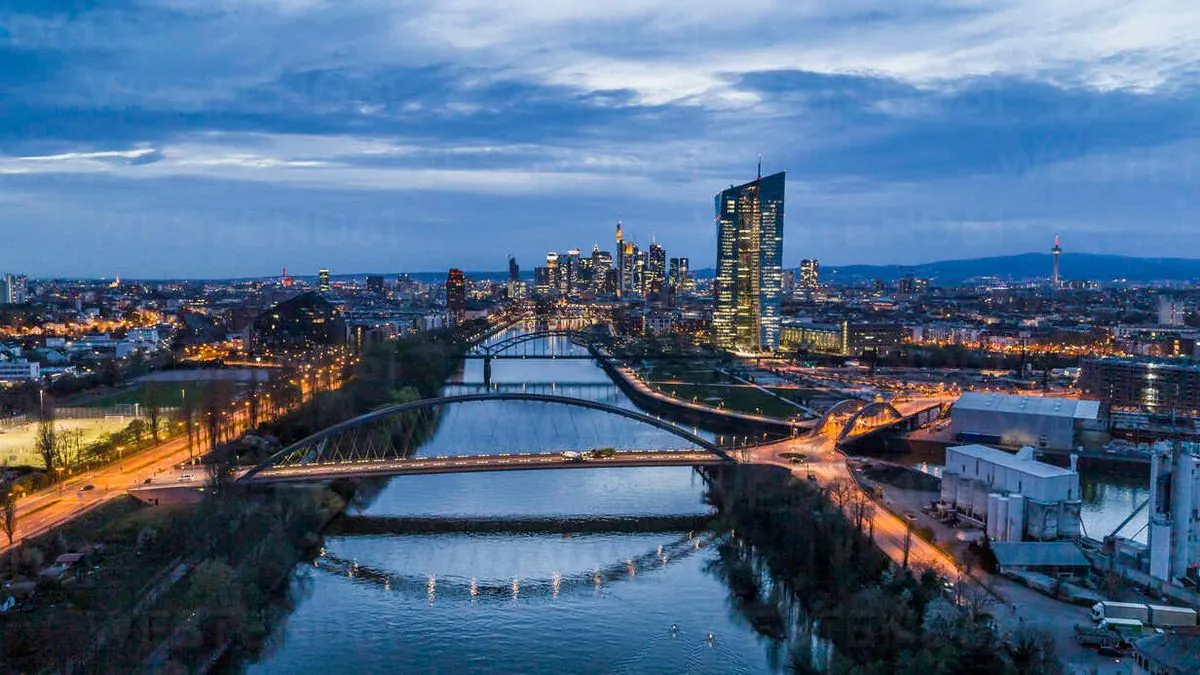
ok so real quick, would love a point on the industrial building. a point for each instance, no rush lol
(1017, 497)
(1174, 531)
(1017, 421)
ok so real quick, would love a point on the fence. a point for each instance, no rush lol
(80, 413)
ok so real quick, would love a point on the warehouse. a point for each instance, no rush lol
(1017, 497)
(1017, 421)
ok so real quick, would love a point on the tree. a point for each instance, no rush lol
(187, 414)
(8, 510)
(46, 440)
(152, 403)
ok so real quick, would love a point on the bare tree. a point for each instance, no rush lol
(8, 510)
(187, 414)
(46, 440)
(152, 403)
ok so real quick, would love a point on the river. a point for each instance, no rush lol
(528, 601)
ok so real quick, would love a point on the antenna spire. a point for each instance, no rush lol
(760, 165)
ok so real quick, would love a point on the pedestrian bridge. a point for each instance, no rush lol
(573, 433)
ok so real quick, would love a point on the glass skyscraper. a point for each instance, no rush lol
(749, 277)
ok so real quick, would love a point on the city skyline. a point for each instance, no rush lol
(1063, 119)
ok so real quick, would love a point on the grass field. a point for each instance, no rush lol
(170, 395)
(16, 443)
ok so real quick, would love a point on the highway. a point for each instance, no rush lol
(471, 463)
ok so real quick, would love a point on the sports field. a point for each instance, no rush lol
(16, 443)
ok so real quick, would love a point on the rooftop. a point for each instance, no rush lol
(1039, 554)
(1019, 462)
(1179, 652)
(1046, 406)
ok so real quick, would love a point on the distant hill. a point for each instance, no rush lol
(1082, 266)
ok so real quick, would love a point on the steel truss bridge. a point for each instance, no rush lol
(383, 442)
(536, 345)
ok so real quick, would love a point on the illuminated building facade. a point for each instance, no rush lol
(1154, 386)
(749, 278)
(656, 269)
(13, 289)
(323, 280)
(810, 275)
(1056, 252)
(456, 290)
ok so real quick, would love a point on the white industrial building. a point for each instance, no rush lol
(1016, 496)
(1018, 421)
(1174, 532)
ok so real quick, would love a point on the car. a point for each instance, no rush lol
(1109, 650)
(812, 476)
(85, 488)
(148, 481)
(185, 478)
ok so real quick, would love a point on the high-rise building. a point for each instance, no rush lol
(552, 268)
(602, 263)
(628, 269)
(1170, 311)
(542, 283)
(375, 284)
(456, 290)
(514, 270)
(749, 277)
(323, 280)
(571, 273)
(1056, 251)
(620, 261)
(810, 275)
(656, 269)
(13, 289)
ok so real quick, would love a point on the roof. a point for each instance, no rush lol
(1018, 462)
(1179, 652)
(1039, 554)
(1045, 406)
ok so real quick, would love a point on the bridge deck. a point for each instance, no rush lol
(468, 464)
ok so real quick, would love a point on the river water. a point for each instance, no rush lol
(531, 601)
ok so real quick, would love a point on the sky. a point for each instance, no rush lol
(228, 138)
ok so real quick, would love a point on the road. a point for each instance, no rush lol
(470, 463)
(54, 506)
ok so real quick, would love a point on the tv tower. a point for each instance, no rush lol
(1057, 251)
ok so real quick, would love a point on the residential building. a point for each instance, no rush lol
(13, 289)
(1155, 386)
(19, 371)
(749, 276)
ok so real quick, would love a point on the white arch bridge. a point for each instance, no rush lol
(383, 443)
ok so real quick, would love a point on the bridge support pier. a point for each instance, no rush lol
(487, 372)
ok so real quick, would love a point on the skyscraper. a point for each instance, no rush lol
(620, 261)
(13, 289)
(552, 269)
(375, 284)
(456, 290)
(323, 280)
(656, 269)
(514, 270)
(810, 275)
(749, 265)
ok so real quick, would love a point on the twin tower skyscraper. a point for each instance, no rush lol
(748, 285)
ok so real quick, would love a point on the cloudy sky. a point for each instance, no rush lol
(193, 138)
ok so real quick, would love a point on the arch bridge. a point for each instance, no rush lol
(533, 345)
(382, 443)
(855, 417)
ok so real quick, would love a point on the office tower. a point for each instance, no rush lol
(323, 280)
(789, 283)
(375, 284)
(749, 265)
(514, 270)
(553, 271)
(673, 278)
(1056, 251)
(620, 261)
(628, 258)
(602, 270)
(641, 277)
(542, 284)
(570, 273)
(686, 283)
(656, 268)
(810, 275)
(456, 290)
